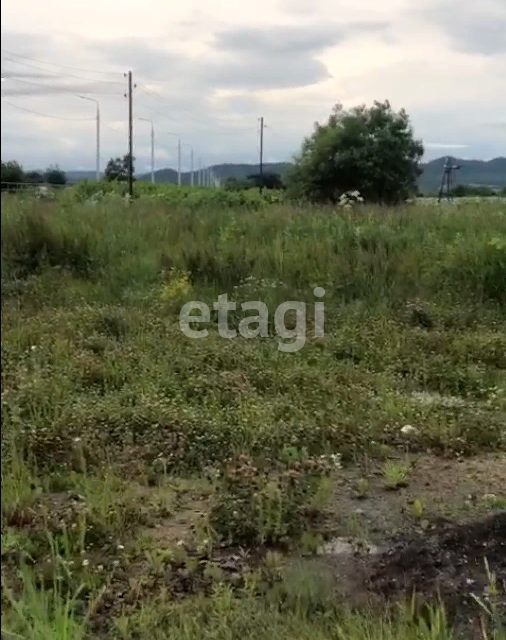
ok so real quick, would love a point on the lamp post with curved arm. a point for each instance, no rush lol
(186, 144)
(98, 133)
(170, 133)
(152, 148)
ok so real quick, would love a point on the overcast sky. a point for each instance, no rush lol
(208, 70)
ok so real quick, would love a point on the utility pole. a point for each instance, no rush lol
(261, 153)
(171, 133)
(200, 172)
(446, 180)
(130, 139)
(186, 144)
(98, 134)
(152, 149)
(179, 162)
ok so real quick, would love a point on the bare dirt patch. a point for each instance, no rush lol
(448, 563)
(455, 489)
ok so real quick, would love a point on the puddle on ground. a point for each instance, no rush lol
(343, 546)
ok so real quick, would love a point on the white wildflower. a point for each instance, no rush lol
(409, 430)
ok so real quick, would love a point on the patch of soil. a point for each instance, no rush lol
(449, 562)
(168, 531)
(453, 489)
(53, 512)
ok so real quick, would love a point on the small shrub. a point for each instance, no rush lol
(34, 241)
(396, 474)
(268, 505)
(362, 488)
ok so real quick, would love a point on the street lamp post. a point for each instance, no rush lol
(152, 148)
(170, 133)
(98, 134)
(191, 162)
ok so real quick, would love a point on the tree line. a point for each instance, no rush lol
(13, 174)
(370, 150)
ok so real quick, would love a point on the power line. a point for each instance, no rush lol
(55, 64)
(62, 75)
(55, 88)
(200, 124)
(119, 133)
(46, 115)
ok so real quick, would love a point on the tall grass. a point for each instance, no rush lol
(369, 255)
(100, 386)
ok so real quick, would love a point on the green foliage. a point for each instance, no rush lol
(34, 242)
(55, 176)
(198, 198)
(105, 401)
(118, 168)
(233, 184)
(261, 505)
(266, 181)
(94, 192)
(42, 614)
(362, 488)
(12, 172)
(34, 177)
(369, 150)
(396, 474)
(463, 190)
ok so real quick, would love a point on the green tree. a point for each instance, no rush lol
(54, 175)
(34, 177)
(370, 150)
(503, 191)
(12, 173)
(463, 190)
(233, 184)
(117, 168)
(266, 180)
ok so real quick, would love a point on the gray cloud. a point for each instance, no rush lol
(472, 28)
(213, 99)
(252, 66)
(281, 40)
(149, 59)
(280, 56)
(276, 73)
(276, 57)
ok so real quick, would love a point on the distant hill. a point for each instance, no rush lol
(223, 171)
(77, 176)
(473, 173)
(490, 173)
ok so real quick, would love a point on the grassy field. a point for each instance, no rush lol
(157, 486)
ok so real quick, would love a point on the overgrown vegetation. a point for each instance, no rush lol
(371, 150)
(13, 175)
(114, 423)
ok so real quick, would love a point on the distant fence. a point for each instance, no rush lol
(30, 188)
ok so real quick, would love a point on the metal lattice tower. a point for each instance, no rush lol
(447, 180)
